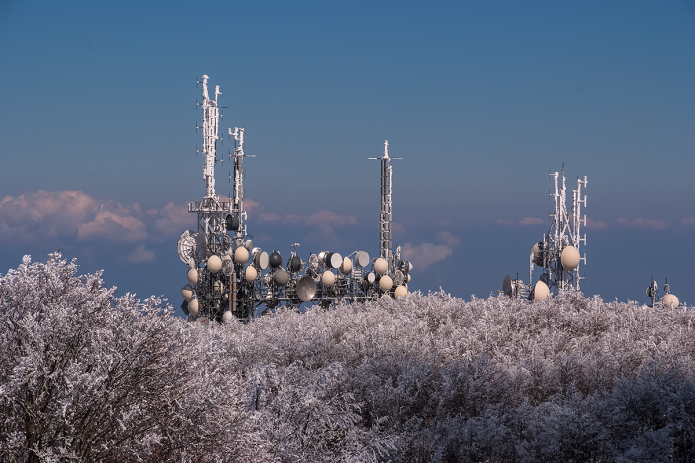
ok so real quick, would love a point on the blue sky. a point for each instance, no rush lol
(481, 99)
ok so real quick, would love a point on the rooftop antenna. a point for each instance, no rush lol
(385, 216)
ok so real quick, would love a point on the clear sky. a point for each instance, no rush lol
(480, 99)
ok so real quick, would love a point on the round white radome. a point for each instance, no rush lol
(251, 273)
(541, 292)
(187, 292)
(570, 258)
(227, 317)
(346, 267)
(400, 292)
(214, 264)
(192, 276)
(385, 283)
(241, 255)
(193, 307)
(281, 277)
(381, 266)
(328, 278)
(670, 300)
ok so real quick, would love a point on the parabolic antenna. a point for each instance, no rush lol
(333, 260)
(306, 289)
(670, 301)
(361, 259)
(570, 258)
(261, 259)
(541, 291)
(186, 246)
(398, 278)
(313, 262)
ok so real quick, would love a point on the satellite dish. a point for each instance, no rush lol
(193, 307)
(670, 301)
(538, 253)
(346, 266)
(385, 283)
(328, 278)
(507, 286)
(275, 259)
(570, 258)
(322, 258)
(281, 277)
(381, 266)
(333, 260)
(398, 278)
(295, 264)
(187, 292)
(227, 317)
(371, 277)
(313, 262)
(251, 273)
(400, 292)
(306, 289)
(361, 259)
(214, 264)
(261, 259)
(192, 276)
(541, 291)
(241, 255)
(232, 222)
(186, 245)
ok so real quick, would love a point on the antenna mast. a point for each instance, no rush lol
(386, 214)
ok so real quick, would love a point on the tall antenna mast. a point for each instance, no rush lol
(211, 117)
(386, 214)
(238, 195)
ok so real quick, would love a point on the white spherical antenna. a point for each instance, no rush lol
(241, 255)
(187, 293)
(381, 266)
(328, 278)
(670, 301)
(192, 276)
(401, 292)
(193, 307)
(186, 246)
(570, 258)
(346, 266)
(385, 283)
(371, 277)
(227, 317)
(251, 273)
(541, 292)
(214, 264)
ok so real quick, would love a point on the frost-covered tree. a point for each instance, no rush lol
(89, 377)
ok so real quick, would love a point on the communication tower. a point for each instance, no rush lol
(558, 254)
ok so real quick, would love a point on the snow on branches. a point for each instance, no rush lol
(88, 376)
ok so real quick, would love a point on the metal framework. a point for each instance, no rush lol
(230, 279)
(558, 253)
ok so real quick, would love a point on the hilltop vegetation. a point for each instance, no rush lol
(88, 376)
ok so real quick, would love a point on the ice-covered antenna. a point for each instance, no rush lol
(211, 117)
(238, 195)
(385, 215)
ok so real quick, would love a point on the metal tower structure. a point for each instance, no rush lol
(386, 214)
(558, 254)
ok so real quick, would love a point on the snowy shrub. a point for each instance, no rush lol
(87, 376)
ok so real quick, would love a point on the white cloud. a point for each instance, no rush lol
(140, 255)
(32, 217)
(425, 254)
(644, 223)
(448, 239)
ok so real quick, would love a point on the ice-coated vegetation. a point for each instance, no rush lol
(89, 377)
